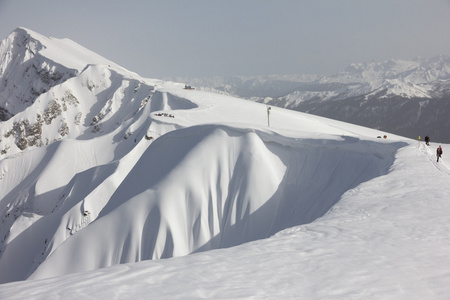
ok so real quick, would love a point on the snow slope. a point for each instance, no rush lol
(157, 191)
(384, 239)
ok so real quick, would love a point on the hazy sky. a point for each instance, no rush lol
(201, 38)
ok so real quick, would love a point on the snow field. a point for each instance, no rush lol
(371, 244)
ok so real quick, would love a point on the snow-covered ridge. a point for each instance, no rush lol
(60, 90)
(80, 106)
(106, 168)
(104, 143)
(206, 194)
(31, 64)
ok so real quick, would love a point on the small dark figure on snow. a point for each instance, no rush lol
(439, 152)
(427, 140)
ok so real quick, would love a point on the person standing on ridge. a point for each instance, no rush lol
(427, 140)
(439, 152)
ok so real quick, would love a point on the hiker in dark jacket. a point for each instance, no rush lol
(439, 152)
(427, 140)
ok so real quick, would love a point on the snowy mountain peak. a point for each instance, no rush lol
(417, 71)
(61, 51)
(54, 88)
(31, 64)
(21, 44)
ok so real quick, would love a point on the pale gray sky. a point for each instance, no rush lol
(201, 38)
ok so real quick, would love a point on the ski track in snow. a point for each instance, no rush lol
(430, 152)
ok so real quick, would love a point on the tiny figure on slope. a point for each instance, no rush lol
(427, 140)
(439, 152)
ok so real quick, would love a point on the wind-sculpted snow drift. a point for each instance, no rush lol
(211, 187)
(107, 168)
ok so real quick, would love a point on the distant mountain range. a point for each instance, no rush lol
(406, 97)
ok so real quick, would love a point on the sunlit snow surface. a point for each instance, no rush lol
(385, 239)
(183, 194)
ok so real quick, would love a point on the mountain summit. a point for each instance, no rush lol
(32, 64)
